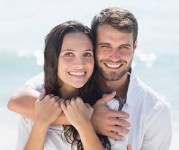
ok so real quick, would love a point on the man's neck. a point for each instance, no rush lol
(120, 86)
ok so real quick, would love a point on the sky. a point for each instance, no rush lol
(24, 23)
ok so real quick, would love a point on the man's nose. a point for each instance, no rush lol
(115, 55)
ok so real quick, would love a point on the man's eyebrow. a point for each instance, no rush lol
(103, 43)
(126, 44)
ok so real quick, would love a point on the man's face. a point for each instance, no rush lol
(114, 52)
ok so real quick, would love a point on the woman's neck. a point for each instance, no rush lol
(68, 93)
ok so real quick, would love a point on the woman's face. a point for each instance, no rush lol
(76, 60)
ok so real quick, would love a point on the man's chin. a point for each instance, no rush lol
(113, 76)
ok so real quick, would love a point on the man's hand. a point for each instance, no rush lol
(108, 122)
(129, 147)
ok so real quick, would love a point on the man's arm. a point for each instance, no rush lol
(158, 130)
(23, 103)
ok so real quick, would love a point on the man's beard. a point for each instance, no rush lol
(113, 76)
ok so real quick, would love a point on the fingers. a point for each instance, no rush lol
(75, 103)
(48, 109)
(118, 114)
(72, 102)
(119, 129)
(120, 122)
(42, 95)
(60, 100)
(49, 100)
(88, 106)
(129, 147)
(116, 132)
(115, 136)
(64, 105)
(108, 97)
(67, 103)
(54, 102)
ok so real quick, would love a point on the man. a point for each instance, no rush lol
(116, 33)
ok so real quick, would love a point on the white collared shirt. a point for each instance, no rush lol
(149, 117)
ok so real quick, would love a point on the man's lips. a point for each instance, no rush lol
(113, 65)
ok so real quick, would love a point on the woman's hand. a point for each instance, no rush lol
(47, 110)
(77, 112)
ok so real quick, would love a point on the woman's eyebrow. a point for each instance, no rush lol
(72, 50)
(89, 50)
(64, 50)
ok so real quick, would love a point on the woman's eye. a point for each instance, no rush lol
(88, 54)
(69, 54)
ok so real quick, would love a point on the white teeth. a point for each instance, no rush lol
(77, 73)
(113, 65)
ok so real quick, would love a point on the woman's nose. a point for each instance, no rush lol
(79, 62)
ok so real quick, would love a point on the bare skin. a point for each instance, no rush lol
(23, 103)
(109, 119)
(47, 110)
(78, 114)
(119, 48)
(110, 123)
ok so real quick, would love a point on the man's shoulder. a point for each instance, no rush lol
(148, 96)
(37, 82)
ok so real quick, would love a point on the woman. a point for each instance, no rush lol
(68, 68)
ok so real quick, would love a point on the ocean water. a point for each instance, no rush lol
(22, 34)
(158, 72)
(14, 71)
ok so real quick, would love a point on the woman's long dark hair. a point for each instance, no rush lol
(89, 92)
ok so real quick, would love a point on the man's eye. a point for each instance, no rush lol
(104, 46)
(124, 47)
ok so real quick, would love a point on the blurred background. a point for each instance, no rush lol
(24, 24)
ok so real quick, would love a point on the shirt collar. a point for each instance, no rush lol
(130, 91)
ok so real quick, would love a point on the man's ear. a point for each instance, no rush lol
(135, 44)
